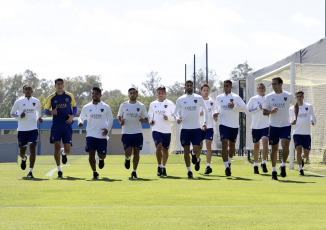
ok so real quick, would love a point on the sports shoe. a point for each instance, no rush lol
(63, 157)
(208, 170)
(159, 171)
(283, 172)
(301, 173)
(193, 159)
(60, 174)
(164, 172)
(101, 163)
(127, 164)
(228, 171)
(134, 175)
(197, 166)
(30, 175)
(256, 170)
(264, 168)
(23, 164)
(95, 175)
(190, 176)
(302, 162)
(274, 175)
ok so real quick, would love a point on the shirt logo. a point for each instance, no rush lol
(272, 99)
(231, 100)
(138, 109)
(34, 103)
(90, 110)
(55, 102)
(102, 110)
(165, 106)
(221, 101)
(211, 103)
(195, 101)
(306, 108)
(285, 99)
(24, 105)
(184, 102)
(67, 99)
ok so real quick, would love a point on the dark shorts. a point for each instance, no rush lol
(98, 144)
(193, 136)
(303, 140)
(277, 133)
(25, 137)
(208, 134)
(228, 133)
(257, 134)
(132, 140)
(164, 138)
(61, 132)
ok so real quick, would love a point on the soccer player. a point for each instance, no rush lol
(131, 114)
(259, 126)
(27, 110)
(161, 113)
(59, 105)
(229, 105)
(99, 122)
(301, 130)
(209, 132)
(277, 105)
(187, 112)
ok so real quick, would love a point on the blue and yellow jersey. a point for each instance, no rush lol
(63, 103)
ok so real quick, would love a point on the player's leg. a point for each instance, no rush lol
(22, 154)
(92, 162)
(22, 143)
(285, 153)
(274, 137)
(127, 146)
(196, 139)
(66, 133)
(208, 169)
(57, 149)
(101, 147)
(256, 152)
(265, 152)
(165, 159)
(299, 159)
(32, 157)
(159, 156)
(32, 139)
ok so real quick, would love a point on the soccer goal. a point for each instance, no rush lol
(311, 79)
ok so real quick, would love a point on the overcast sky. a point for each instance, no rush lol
(123, 40)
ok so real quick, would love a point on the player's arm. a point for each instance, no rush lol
(312, 116)
(39, 112)
(144, 116)
(74, 110)
(120, 116)
(240, 105)
(170, 114)
(81, 117)
(48, 106)
(14, 111)
(204, 107)
(251, 107)
(110, 119)
(177, 112)
(151, 114)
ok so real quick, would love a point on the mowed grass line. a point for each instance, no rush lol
(242, 201)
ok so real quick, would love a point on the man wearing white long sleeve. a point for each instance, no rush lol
(187, 112)
(229, 105)
(302, 129)
(259, 126)
(99, 122)
(161, 113)
(27, 110)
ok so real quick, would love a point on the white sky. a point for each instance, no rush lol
(122, 40)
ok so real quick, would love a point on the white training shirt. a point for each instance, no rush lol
(32, 108)
(282, 101)
(99, 117)
(188, 107)
(210, 104)
(155, 113)
(131, 113)
(258, 119)
(305, 116)
(227, 116)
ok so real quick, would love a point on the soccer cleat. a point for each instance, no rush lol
(64, 157)
(274, 175)
(228, 171)
(208, 170)
(301, 173)
(283, 172)
(101, 163)
(197, 166)
(60, 174)
(95, 175)
(256, 170)
(159, 171)
(193, 159)
(264, 168)
(164, 172)
(134, 175)
(302, 162)
(127, 164)
(23, 164)
(30, 175)
(190, 176)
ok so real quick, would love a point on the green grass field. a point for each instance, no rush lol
(242, 201)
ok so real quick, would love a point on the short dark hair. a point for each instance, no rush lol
(161, 88)
(300, 92)
(58, 79)
(228, 82)
(26, 86)
(204, 85)
(279, 80)
(189, 81)
(132, 89)
(97, 89)
(261, 84)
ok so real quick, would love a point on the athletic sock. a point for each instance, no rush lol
(30, 169)
(300, 167)
(274, 169)
(283, 164)
(95, 171)
(198, 159)
(63, 153)
(189, 169)
(161, 166)
(59, 168)
(255, 164)
(208, 164)
(263, 162)
(128, 158)
(226, 164)
(229, 159)
(24, 158)
(134, 170)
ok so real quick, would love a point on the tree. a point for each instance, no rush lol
(174, 91)
(151, 84)
(241, 71)
(201, 79)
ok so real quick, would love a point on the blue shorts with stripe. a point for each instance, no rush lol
(208, 134)
(132, 140)
(193, 136)
(164, 138)
(257, 134)
(228, 133)
(98, 144)
(277, 133)
(61, 132)
(25, 137)
(303, 140)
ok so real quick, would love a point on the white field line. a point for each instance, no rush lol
(50, 173)
(321, 175)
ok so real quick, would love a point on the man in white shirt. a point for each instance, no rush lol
(187, 112)
(302, 129)
(208, 134)
(27, 110)
(277, 106)
(131, 114)
(99, 122)
(229, 105)
(161, 113)
(259, 126)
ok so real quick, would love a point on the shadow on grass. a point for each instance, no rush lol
(205, 178)
(296, 182)
(309, 175)
(172, 177)
(141, 179)
(70, 178)
(34, 179)
(238, 178)
(210, 175)
(104, 179)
